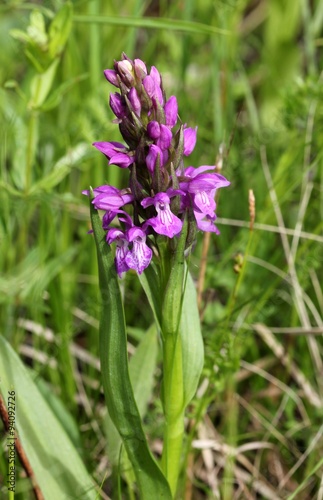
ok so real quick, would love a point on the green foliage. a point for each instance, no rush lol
(53, 458)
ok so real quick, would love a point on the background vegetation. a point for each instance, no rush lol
(248, 73)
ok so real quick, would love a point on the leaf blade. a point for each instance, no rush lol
(57, 465)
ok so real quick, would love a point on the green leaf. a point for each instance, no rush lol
(115, 374)
(41, 84)
(149, 280)
(192, 341)
(62, 168)
(57, 466)
(154, 23)
(59, 29)
(31, 277)
(59, 410)
(141, 369)
(190, 329)
(174, 289)
(20, 35)
(57, 95)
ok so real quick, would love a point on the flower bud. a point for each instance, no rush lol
(171, 111)
(149, 85)
(126, 72)
(134, 101)
(153, 130)
(140, 69)
(189, 140)
(165, 137)
(112, 76)
(155, 154)
(117, 105)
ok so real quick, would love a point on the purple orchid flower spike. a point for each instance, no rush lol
(165, 223)
(116, 153)
(140, 256)
(154, 146)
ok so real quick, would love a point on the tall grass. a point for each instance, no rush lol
(248, 73)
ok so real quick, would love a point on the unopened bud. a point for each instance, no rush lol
(126, 72)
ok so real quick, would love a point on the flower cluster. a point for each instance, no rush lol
(161, 191)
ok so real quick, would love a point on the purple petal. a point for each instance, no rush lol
(140, 69)
(151, 158)
(205, 203)
(193, 172)
(110, 198)
(174, 192)
(118, 105)
(153, 130)
(149, 85)
(189, 140)
(165, 223)
(188, 172)
(171, 111)
(111, 76)
(140, 256)
(147, 202)
(108, 202)
(124, 217)
(165, 138)
(154, 73)
(108, 148)
(206, 225)
(206, 182)
(117, 236)
(122, 160)
(134, 101)
(110, 190)
(108, 218)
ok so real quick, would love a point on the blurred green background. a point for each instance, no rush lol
(248, 74)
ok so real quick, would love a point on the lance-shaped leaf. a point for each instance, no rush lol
(142, 366)
(57, 466)
(192, 341)
(115, 374)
